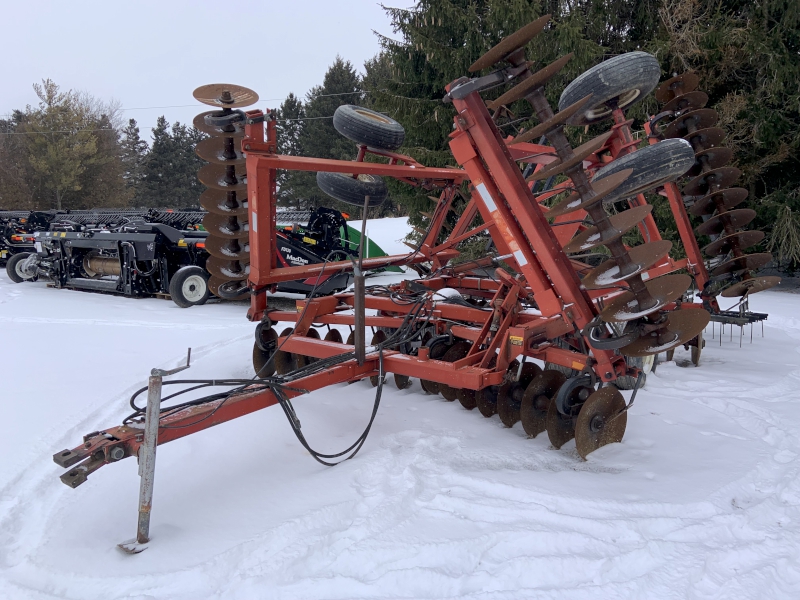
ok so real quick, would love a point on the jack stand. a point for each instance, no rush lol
(147, 458)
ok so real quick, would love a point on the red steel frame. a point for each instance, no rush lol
(518, 225)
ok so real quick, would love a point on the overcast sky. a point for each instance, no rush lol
(148, 53)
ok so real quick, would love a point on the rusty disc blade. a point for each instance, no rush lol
(702, 118)
(688, 101)
(536, 400)
(742, 263)
(601, 421)
(515, 41)
(227, 227)
(219, 178)
(735, 218)
(334, 336)
(263, 365)
(526, 86)
(677, 86)
(729, 197)
(224, 203)
(284, 362)
(378, 338)
(557, 120)
(741, 240)
(642, 258)
(199, 123)
(436, 353)
(456, 352)
(559, 428)
(602, 188)
(663, 290)
(620, 224)
(227, 270)
(301, 360)
(750, 286)
(213, 286)
(225, 95)
(228, 248)
(509, 397)
(217, 150)
(467, 398)
(702, 184)
(487, 400)
(713, 158)
(682, 326)
(580, 153)
(705, 138)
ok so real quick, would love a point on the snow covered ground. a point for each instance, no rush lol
(700, 500)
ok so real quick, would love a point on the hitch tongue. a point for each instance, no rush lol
(78, 475)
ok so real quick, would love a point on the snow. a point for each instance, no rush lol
(388, 233)
(700, 500)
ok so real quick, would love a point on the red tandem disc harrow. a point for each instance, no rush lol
(472, 332)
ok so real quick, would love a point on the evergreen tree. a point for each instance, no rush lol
(133, 155)
(290, 121)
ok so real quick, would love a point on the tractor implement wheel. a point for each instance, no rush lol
(644, 364)
(369, 128)
(344, 188)
(189, 287)
(601, 421)
(512, 393)
(622, 80)
(14, 268)
(536, 401)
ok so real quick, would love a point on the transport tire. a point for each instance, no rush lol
(189, 287)
(14, 265)
(652, 166)
(626, 78)
(342, 187)
(645, 363)
(365, 126)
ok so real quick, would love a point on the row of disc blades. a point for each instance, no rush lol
(643, 301)
(715, 200)
(225, 176)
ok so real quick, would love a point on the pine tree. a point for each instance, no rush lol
(290, 122)
(134, 153)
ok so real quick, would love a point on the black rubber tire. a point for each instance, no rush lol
(11, 267)
(342, 187)
(626, 382)
(365, 126)
(189, 277)
(627, 77)
(652, 166)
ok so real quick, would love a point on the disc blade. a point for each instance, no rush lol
(702, 184)
(580, 153)
(620, 224)
(702, 118)
(713, 158)
(677, 86)
(456, 352)
(213, 286)
(688, 101)
(526, 86)
(228, 248)
(199, 123)
(218, 177)
(559, 428)
(602, 420)
(536, 400)
(663, 290)
(735, 218)
(227, 270)
(511, 393)
(743, 263)
(225, 95)
(705, 138)
(227, 227)
(467, 398)
(515, 41)
(602, 188)
(217, 150)
(220, 202)
(556, 120)
(750, 286)
(730, 197)
(740, 240)
(284, 362)
(642, 258)
(682, 326)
